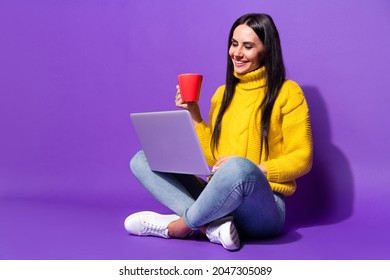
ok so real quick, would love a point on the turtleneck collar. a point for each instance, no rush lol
(251, 80)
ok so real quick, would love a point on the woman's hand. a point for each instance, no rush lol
(263, 169)
(220, 162)
(192, 107)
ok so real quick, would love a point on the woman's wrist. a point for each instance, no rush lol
(194, 110)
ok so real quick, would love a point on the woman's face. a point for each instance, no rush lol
(246, 50)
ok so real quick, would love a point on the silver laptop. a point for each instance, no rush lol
(170, 143)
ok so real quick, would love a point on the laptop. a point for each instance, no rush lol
(170, 143)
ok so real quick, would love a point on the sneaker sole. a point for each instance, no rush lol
(234, 242)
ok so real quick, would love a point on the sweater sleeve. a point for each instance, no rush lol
(204, 131)
(297, 147)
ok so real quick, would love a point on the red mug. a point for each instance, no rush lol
(190, 85)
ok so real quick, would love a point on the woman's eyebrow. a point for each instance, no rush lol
(246, 42)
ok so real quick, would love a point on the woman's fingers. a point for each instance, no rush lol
(221, 161)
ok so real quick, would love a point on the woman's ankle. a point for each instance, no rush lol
(203, 229)
(179, 229)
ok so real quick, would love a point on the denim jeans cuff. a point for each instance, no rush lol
(190, 225)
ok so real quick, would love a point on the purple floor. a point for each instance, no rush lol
(71, 72)
(54, 229)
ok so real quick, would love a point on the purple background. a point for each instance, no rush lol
(72, 71)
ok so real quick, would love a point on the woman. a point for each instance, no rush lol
(258, 141)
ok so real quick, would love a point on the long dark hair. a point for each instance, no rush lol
(265, 29)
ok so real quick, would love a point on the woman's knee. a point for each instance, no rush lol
(243, 167)
(137, 162)
(239, 173)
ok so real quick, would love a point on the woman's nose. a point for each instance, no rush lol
(237, 52)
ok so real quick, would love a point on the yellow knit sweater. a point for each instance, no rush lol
(290, 138)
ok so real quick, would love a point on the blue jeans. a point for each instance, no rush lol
(238, 189)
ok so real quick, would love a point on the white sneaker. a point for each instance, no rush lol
(149, 223)
(223, 231)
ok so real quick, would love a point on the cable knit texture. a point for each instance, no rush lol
(290, 138)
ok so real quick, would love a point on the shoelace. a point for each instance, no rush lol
(153, 228)
(214, 233)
